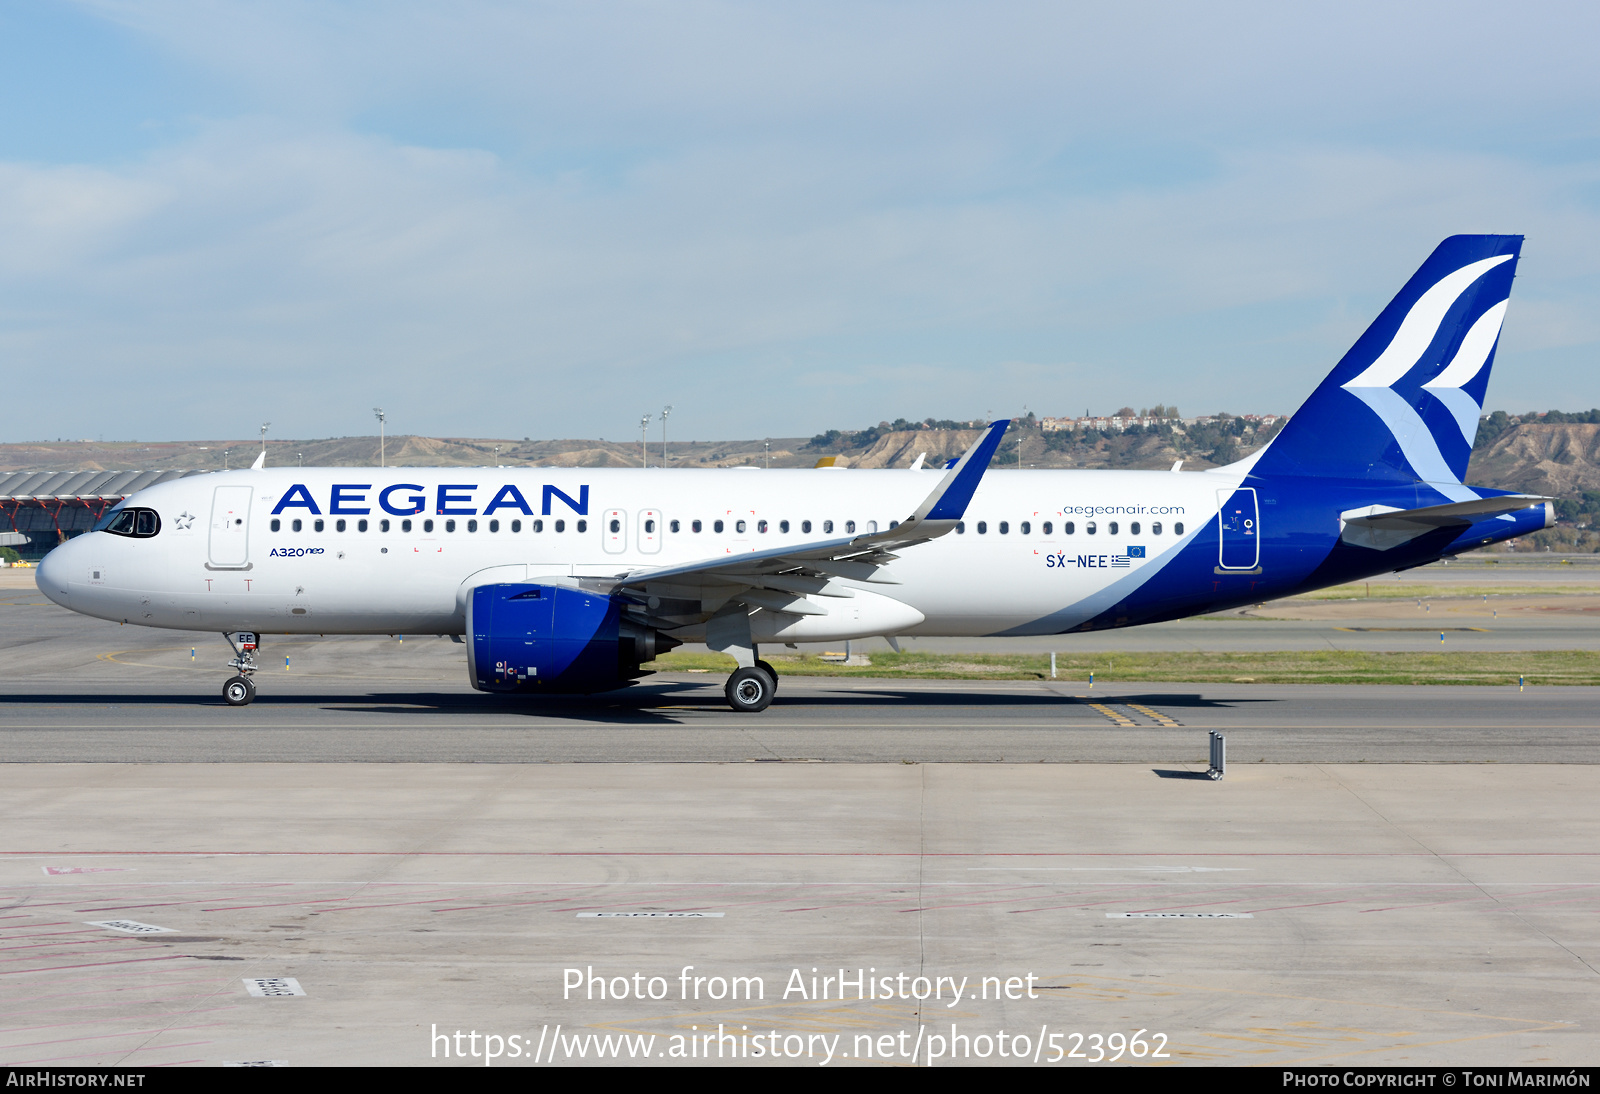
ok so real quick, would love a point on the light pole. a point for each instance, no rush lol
(264, 443)
(382, 418)
(644, 453)
(666, 410)
(497, 455)
(301, 456)
(766, 460)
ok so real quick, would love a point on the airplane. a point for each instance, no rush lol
(571, 580)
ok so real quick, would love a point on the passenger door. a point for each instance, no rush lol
(1239, 526)
(230, 527)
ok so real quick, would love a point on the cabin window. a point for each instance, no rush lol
(1155, 528)
(1047, 528)
(1005, 527)
(1133, 529)
(1025, 528)
(383, 525)
(673, 525)
(1177, 528)
(983, 527)
(494, 526)
(827, 526)
(405, 525)
(450, 525)
(695, 526)
(538, 526)
(339, 525)
(583, 526)
(805, 526)
(739, 526)
(716, 526)
(277, 525)
(761, 526)
(1111, 528)
(961, 527)
(650, 526)
(616, 526)
(561, 526)
(296, 524)
(427, 525)
(319, 525)
(849, 527)
(472, 526)
(1068, 528)
(516, 526)
(1089, 528)
(783, 526)
(893, 524)
(361, 525)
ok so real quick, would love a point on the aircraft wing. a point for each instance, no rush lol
(805, 568)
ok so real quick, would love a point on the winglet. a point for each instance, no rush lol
(261, 461)
(949, 499)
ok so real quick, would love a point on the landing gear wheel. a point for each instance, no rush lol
(772, 672)
(239, 691)
(749, 691)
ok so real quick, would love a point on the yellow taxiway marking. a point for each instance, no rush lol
(1116, 718)
(1160, 719)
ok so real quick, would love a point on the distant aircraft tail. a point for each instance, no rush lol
(1403, 404)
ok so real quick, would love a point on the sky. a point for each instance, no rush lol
(549, 219)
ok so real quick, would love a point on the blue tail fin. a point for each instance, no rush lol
(1403, 404)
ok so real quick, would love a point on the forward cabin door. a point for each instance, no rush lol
(1239, 528)
(230, 526)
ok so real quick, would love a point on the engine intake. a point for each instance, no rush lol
(554, 639)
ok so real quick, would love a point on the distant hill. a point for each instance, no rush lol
(1559, 459)
(1556, 458)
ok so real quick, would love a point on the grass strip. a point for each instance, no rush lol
(1284, 667)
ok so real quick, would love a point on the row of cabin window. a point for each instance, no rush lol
(761, 526)
(1069, 528)
(341, 525)
(1047, 528)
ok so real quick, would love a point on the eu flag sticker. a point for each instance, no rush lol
(1135, 552)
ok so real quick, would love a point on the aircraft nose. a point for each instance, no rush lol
(54, 575)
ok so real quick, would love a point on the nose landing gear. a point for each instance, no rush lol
(240, 690)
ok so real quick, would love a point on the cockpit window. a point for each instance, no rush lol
(138, 523)
(111, 514)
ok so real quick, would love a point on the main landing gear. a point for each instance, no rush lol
(750, 690)
(240, 690)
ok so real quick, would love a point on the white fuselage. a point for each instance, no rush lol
(217, 563)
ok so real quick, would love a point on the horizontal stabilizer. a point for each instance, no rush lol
(1382, 527)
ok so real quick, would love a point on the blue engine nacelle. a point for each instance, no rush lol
(551, 638)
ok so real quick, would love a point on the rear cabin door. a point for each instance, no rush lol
(1239, 526)
(230, 526)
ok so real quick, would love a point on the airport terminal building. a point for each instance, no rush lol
(39, 509)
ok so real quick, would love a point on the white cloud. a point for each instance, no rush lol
(753, 212)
